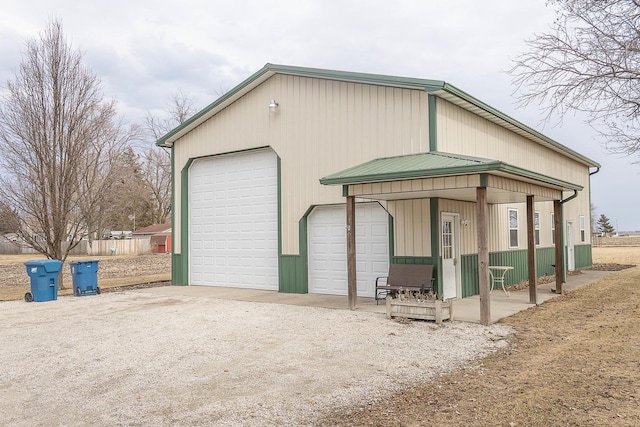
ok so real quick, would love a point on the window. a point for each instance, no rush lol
(513, 228)
(553, 229)
(536, 227)
(583, 236)
(447, 239)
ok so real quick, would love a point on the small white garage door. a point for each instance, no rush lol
(233, 221)
(328, 248)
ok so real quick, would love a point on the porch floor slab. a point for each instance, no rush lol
(465, 309)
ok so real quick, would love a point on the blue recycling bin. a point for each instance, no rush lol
(44, 279)
(84, 275)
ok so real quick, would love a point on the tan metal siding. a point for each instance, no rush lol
(499, 225)
(522, 187)
(416, 185)
(545, 209)
(499, 228)
(412, 233)
(468, 232)
(462, 132)
(320, 127)
(572, 212)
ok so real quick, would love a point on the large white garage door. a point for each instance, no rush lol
(233, 221)
(328, 248)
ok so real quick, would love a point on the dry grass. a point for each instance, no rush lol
(573, 362)
(620, 255)
(113, 272)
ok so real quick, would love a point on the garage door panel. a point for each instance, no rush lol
(381, 266)
(233, 221)
(380, 249)
(327, 248)
(379, 230)
(338, 248)
(338, 266)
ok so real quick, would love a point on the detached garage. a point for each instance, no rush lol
(261, 178)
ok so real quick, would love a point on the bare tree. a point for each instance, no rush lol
(59, 138)
(156, 162)
(180, 109)
(129, 201)
(156, 170)
(8, 219)
(589, 61)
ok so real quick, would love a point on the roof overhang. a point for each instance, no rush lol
(463, 100)
(215, 107)
(445, 175)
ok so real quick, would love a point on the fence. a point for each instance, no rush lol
(97, 248)
(632, 240)
(119, 247)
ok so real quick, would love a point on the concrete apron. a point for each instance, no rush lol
(466, 309)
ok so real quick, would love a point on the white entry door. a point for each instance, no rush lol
(450, 250)
(571, 258)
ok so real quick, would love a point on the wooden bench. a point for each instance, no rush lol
(409, 277)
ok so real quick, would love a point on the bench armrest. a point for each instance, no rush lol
(382, 277)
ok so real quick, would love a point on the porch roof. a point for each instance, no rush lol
(438, 164)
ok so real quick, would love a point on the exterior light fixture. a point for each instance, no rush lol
(273, 105)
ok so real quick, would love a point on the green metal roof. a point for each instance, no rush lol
(433, 164)
(437, 87)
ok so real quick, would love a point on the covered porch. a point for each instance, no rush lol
(445, 176)
(465, 310)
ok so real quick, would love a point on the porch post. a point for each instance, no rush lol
(531, 252)
(558, 237)
(483, 255)
(352, 283)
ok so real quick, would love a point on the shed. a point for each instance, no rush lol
(158, 235)
(147, 232)
(161, 243)
(264, 176)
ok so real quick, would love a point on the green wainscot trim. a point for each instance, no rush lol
(469, 275)
(584, 256)
(293, 270)
(293, 274)
(545, 258)
(545, 261)
(179, 270)
(435, 261)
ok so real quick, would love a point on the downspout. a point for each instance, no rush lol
(590, 218)
(562, 242)
(575, 194)
(562, 202)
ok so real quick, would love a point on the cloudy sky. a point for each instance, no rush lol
(145, 51)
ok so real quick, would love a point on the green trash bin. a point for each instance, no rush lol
(44, 280)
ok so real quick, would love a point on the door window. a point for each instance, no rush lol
(447, 239)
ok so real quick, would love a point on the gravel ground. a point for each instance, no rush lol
(137, 358)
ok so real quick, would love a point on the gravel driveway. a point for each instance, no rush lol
(139, 358)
